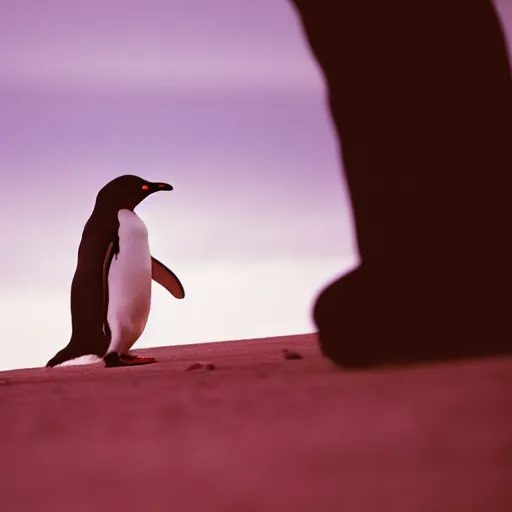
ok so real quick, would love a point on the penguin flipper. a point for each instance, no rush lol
(166, 278)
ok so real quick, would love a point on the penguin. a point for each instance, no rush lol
(111, 287)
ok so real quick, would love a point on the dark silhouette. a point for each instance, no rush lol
(421, 96)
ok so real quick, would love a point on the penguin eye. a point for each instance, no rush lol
(145, 187)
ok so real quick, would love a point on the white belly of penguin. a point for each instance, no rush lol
(129, 283)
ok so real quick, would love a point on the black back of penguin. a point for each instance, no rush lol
(87, 293)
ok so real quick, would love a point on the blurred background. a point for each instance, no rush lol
(220, 98)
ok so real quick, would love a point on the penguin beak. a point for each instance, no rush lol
(157, 187)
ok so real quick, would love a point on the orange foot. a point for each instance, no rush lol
(130, 359)
(114, 360)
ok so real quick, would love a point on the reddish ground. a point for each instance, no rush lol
(258, 433)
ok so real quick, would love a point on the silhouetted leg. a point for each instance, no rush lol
(421, 96)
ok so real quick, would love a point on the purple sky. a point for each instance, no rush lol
(221, 99)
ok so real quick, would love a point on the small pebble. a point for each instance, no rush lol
(290, 354)
(200, 366)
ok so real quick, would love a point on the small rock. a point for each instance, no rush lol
(290, 354)
(199, 365)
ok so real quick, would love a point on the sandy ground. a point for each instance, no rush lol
(258, 433)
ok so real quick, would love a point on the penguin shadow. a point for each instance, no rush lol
(421, 99)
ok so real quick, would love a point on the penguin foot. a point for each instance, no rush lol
(127, 356)
(114, 360)
(136, 360)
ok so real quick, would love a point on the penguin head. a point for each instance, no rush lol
(126, 192)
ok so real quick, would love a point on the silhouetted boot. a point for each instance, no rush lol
(421, 96)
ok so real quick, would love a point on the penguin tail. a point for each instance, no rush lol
(66, 354)
(59, 358)
(77, 348)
